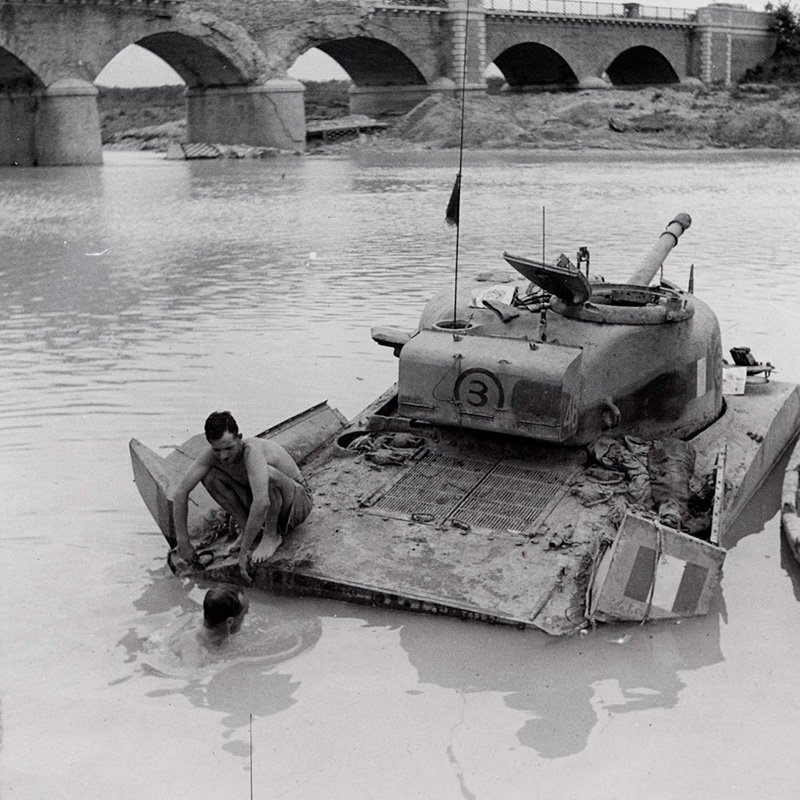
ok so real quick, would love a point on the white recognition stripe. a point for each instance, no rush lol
(669, 573)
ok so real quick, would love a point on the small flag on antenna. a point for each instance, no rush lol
(454, 204)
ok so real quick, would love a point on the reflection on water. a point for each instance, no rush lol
(139, 296)
(238, 677)
(564, 688)
(267, 637)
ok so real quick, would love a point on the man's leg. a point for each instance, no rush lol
(281, 495)
(232, 496)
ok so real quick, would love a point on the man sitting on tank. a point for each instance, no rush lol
(255, 480)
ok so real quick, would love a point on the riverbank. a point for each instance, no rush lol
(680, 118)
(686, 117)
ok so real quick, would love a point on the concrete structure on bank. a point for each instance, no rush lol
(234, 54)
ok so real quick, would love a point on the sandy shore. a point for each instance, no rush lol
(613, 119)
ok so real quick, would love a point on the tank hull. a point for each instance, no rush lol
(471, 524)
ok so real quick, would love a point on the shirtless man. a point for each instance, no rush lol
(197, 643)
(254, 480)
(224, 610)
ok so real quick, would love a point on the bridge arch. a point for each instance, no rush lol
(632, 53)
(16, 76)
(45, 122)
(198, 64)
(20, 92)
(384, 77)
(235, 94)
(641, 65)
(376, 45)
(531, 64)
(203, 49)
(373, 62)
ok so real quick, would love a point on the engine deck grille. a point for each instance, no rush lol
(485, 493)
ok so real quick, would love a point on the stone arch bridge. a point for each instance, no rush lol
(234, 55)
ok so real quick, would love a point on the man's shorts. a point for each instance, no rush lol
(294, 512)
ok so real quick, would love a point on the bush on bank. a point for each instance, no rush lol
(784, 65)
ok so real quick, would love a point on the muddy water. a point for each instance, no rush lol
(139, 296)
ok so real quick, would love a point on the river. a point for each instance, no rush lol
(141, 295)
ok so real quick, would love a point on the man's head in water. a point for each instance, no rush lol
(223, 435)
(224, 610)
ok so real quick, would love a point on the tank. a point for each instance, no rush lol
(557, 358)
(557, 453)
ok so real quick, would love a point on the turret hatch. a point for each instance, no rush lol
(563, 280)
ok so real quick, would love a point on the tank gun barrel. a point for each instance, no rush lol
(652, 262)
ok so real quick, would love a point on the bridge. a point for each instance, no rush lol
(234, 55)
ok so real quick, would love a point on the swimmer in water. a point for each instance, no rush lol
(220, 637)
(224, 610)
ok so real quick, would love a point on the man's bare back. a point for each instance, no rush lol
(275, 455)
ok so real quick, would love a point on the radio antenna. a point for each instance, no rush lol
(544, 234)
(251, 757)
(454, 205)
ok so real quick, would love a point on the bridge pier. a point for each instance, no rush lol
(271, 115)
(592, 81)
(59, 126)
(467, 59)
(68, 125)
(18, 129)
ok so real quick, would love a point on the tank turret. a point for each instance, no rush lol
(561, 359)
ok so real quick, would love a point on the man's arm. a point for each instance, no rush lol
(180, 505)
(258, 478)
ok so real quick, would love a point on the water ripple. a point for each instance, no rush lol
(140, 281)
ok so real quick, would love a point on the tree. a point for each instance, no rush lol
(783, 66)
(787, 26)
